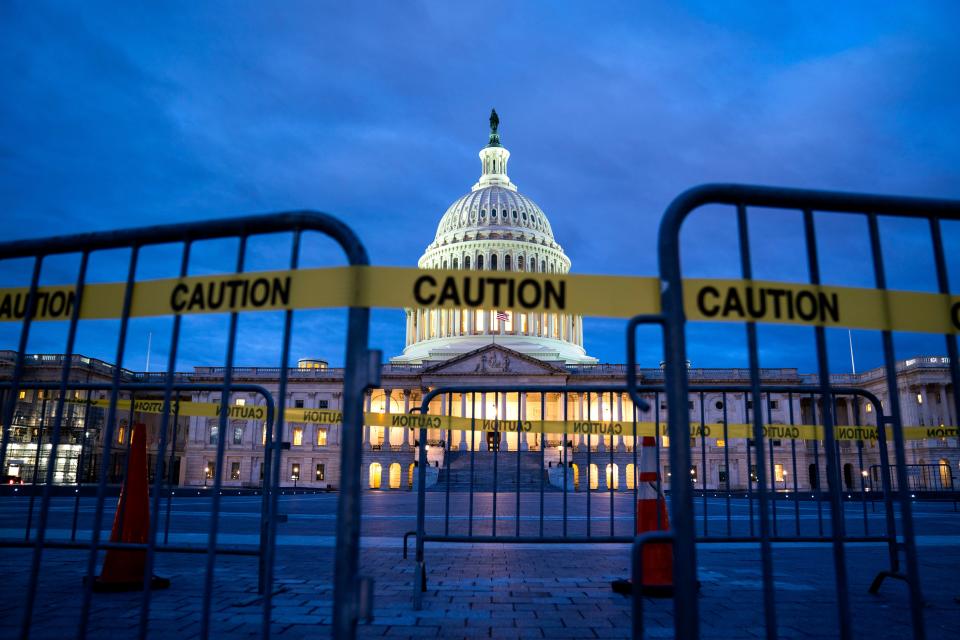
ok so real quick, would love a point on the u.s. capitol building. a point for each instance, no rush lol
(494, 227)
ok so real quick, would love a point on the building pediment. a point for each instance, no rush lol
(493, 360)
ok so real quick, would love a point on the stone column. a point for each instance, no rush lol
(463, 413)
(949, 409)
(601, 443)
(367, 398)
(502, 416)
(387, 399)
(926, 414)
(522, 414)
(578, 439)
(620, 444)
(405, 445)
(482, 416)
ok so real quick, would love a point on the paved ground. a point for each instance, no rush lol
(510, 591)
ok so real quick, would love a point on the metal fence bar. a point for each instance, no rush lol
(726, 463)
(830, 444)
(943, 286)
(906, 509)
(793, 456)
(766, 552)
(108, 440)
(158, 475)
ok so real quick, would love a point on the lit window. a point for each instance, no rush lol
(664, 441)
(321, 437)
(23, 395)
(213, 433)
(778, 473)
(869, 408)
(208, 472)
(240, 402)
(721, 443)
(295, 471)
(237, 435)
(234, 470)
(919, 399)
(263, 438)
(120, 433)
(321, 473)
(297, 436)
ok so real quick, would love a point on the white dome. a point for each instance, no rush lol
(494, 227)
(494, 212)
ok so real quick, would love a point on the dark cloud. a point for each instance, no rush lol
(128, 115)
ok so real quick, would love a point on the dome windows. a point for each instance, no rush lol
(483, 213)
(524, 214)
(514, 215)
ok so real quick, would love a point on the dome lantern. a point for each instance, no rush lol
(493, 160)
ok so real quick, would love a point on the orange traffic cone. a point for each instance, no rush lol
(652, 516)
(123, 570)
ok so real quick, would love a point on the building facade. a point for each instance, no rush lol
(495, 228)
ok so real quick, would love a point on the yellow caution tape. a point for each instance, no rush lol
(570, 427)
(590, 295)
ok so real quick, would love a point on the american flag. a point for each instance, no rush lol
(502, 316)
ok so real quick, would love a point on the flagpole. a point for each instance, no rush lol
(853, 364)
(149, 340)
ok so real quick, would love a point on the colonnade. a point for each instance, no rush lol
(430, 324)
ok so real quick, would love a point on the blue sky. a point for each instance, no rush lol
(123, 115)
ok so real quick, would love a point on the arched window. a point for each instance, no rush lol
(946, 476)
(543, 266)
(506, 263)
(444, 264)
(479, 262)
(520, 263)
(454, 263)
(375, 471)
(395, 475)
(533, 264)
(466, 262)
(493, 262)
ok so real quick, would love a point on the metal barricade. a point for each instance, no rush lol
(361, 371)
(673, 321)
(499, 485)
(568, 484)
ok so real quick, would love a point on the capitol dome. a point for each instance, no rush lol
(494, 228)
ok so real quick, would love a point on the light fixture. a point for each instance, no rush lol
(919, 399)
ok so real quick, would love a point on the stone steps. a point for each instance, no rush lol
(530, 473)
